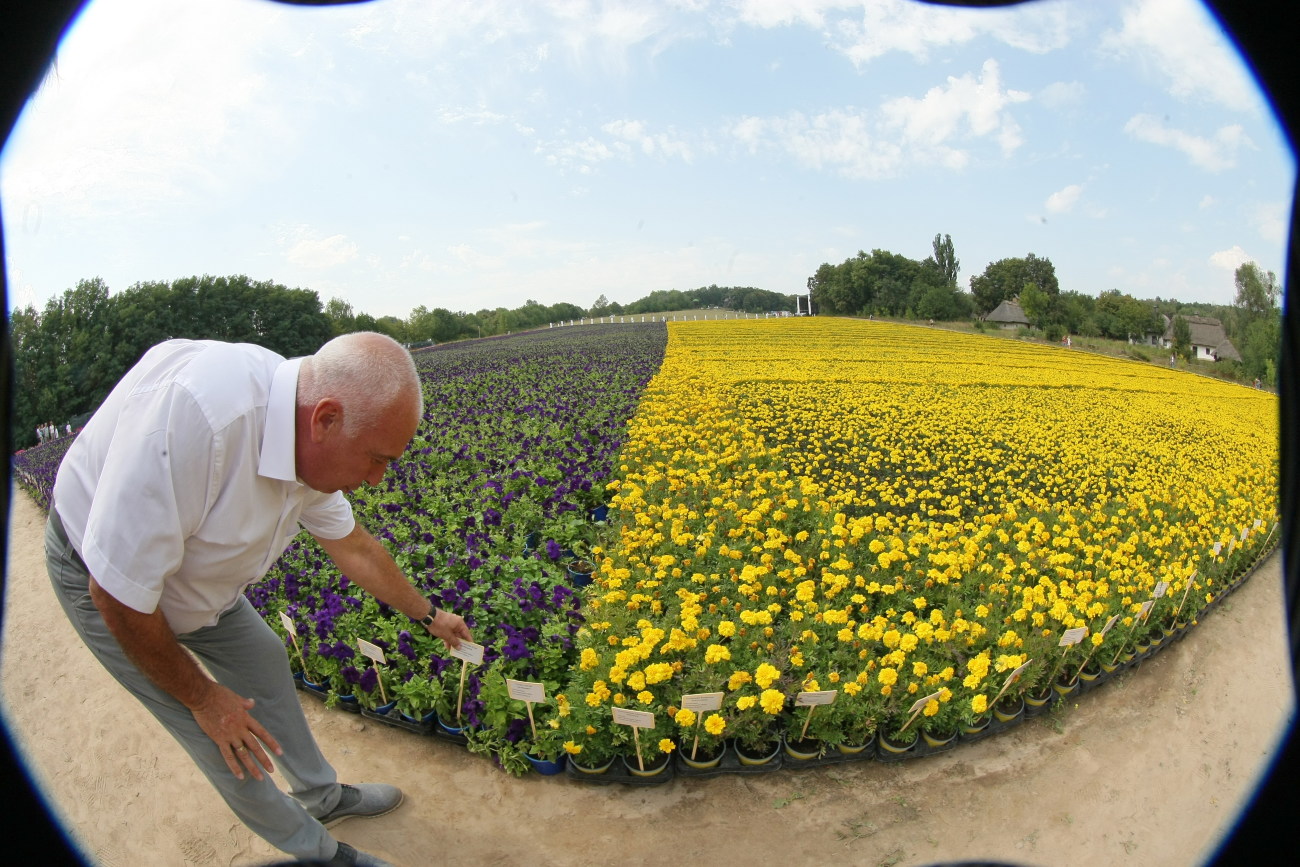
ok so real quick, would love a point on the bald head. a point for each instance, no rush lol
(369, 374)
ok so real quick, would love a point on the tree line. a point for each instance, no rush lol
(69, 355)
(888, 284)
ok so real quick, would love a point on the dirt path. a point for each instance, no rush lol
(1153, 767)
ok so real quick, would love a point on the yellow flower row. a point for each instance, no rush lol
(909, 512)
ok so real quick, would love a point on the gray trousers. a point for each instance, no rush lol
(243, 654)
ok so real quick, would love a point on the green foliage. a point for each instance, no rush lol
(1007, 278)
(1182, 338)
(1120, 316)
(68, 356)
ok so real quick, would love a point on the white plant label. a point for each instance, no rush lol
(637, 719)
(1218, 546)
(1109, 623)
(526, 690)
(372, 651)
(469, 652)
(1232, 546)
(1146, 607)
(288, 624)
(1161, 589)
(922, 702)
(812, 699)
(1244, 532)
(1015, 675)
(702, 701)
(1258, 521)
(1073, 636)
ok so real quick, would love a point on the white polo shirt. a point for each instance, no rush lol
(182, 489)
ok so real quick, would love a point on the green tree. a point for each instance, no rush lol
(946, 258)
(342, 320)
(1182, 338)
(1257, 291)
(1007, 278)
(1036, 303)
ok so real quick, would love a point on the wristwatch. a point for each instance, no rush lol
(427, 620)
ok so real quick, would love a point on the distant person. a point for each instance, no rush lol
(183, 489)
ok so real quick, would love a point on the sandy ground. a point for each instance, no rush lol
(1153, 767)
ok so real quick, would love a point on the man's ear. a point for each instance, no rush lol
(326, 419)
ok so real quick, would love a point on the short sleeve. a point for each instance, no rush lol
(328, 516)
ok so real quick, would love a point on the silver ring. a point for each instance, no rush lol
(241, 748)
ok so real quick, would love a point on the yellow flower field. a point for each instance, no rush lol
(895, 513)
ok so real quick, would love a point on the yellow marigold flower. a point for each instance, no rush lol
(852, 688)
(745, 702)
(931, 708)
(666, 745)
(715, 724)
(636, 681)
(738, 679)
(919, 669)
(589, 659)
(772, 701)
(766, 675)
(658, 672)
(645, 696)
(716, 653)
(571, 748)
(726, 629)
(979, 704)
(685, 718)
(887, 676)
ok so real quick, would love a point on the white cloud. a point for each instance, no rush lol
(1270, 220)
(936, 129)
(658, 144)
(1213, 154)
(322, 252)
(1230, 259)
(782, 13)
(1062, 201)
(1207, 201)
(1062, 94)
(976, 107)
(916, 28)
(1187, 48)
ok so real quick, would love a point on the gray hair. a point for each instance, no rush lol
(367, 372)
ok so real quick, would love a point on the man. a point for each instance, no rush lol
(184, 488)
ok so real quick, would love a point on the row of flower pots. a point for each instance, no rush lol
(784, 751)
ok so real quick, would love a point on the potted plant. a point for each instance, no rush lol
(701, 738)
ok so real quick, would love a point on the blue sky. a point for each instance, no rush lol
(471, 155)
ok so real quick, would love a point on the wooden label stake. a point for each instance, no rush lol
(529, 692)
(466, 652)
(293, 636)
(637, 719)
(700, 702)
(375, 653)
(917, 707)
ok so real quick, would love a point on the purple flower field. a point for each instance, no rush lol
(496, 492)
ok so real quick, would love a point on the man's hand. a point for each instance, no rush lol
(369, 565)
(223, 716)
(449, 627)
(149, 643)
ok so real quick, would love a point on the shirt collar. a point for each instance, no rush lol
(277, 455)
